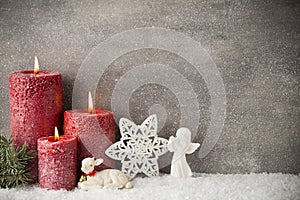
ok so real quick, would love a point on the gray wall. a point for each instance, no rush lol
(254, 44)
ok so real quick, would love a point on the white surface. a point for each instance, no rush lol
(204, 186)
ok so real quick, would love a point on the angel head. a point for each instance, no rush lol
(182, 142)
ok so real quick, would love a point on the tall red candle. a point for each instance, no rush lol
(95, 133)
(57, 161)
(35, 107)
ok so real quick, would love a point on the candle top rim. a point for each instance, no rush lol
(29, 73)
(86, 113)
(62, 138)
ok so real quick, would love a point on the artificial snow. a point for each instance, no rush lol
(201, 186)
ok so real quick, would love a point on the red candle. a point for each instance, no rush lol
(35, 107)
(57, 163)
(95, 130)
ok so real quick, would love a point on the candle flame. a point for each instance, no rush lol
(90, 106)
(56, 135)
(36, 66)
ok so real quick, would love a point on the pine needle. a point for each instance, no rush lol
(13, 164)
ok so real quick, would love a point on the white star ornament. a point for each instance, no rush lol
(139, 147)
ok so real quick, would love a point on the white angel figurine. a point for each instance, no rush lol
(181, 145)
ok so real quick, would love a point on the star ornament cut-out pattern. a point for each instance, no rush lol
(139, 147)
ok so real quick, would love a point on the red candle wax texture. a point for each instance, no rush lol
(57, 162)
(35, 107)
(95, 133)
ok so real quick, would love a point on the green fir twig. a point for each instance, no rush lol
(14, 163)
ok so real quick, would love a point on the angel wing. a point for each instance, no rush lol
(192, 148)
(171, 144)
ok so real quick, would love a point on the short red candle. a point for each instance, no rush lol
(57, 162)
(35, 107)
(95, 133)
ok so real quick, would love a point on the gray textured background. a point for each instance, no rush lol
(255, 45)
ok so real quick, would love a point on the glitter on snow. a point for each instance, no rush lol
(201, 186)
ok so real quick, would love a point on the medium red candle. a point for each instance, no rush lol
(95, 130)
(35, 107)
(57, 163)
